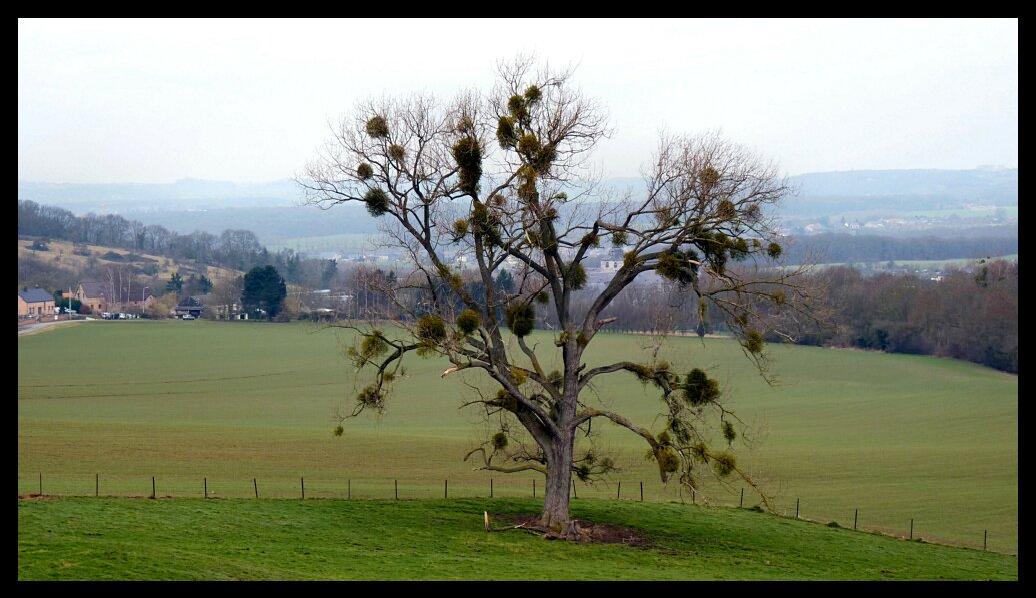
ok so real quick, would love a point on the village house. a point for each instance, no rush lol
(190, 306)
(34, 303)
(613, 261)
(100, 296)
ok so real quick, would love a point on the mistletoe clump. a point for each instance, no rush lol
(371, 397)
(468, 321)
(533, 94)
(460, 229)
(715, 248)
(753, 341)
(486, 223)
(377, 202)
(738, 249)
(396, 152)
(728, 432)
(377, 127)
(521, 318)
(364, 171)
(505, 133)
(708, 177)
(575, 274)
(699, 389)
(726, 210)
(527, 184)
(468, 155)
(774, 250)
(373, 345)
(431, 329)
(668, 460)
(723, 464)
(505, 400)
(529, 144)
(678, 266)
(518, 108)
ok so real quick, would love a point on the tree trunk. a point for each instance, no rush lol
(559, 483)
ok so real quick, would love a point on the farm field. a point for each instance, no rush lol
(920, 265)
(898, 437)
(241, 539)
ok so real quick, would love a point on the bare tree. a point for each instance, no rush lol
(502, 179)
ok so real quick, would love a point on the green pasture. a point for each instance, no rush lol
(238, 539)
(897, 437)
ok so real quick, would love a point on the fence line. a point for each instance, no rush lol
(301, 489)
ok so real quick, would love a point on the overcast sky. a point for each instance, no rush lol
(249, 100)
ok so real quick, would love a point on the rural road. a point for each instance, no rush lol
(44, 326)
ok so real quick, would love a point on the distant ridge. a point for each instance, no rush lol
(816, 192)
(188, 193)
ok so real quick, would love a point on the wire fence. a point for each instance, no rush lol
(367, 488)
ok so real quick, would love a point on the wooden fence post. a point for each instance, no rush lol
(642, 492)
(796, 508)
(303, 482)
(490, 487)
(206, 482)
(911, 529)
(985, 536)
(350, 490)
(856, 517)
(396, 485)
(97, 484)
(41, 483)
(256, 484)
(534, 487)
(153, 493)
(618, 491)
(742, 504)
(446, 488)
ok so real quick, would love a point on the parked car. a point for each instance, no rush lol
(189, 317)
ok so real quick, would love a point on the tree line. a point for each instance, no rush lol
(969, 315)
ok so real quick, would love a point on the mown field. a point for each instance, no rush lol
(236, 539)
(897, 437)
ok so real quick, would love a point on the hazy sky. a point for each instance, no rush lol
(249, 100)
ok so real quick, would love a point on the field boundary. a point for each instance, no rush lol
(391, 486)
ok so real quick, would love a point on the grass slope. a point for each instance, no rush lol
(896, 436)
(85, 538)
(60, 253)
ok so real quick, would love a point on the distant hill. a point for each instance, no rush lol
(273, 210)
(997, 186)
(182, 194)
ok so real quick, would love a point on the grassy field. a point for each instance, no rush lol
(897, 437)
(89, 538)
(922, 264)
